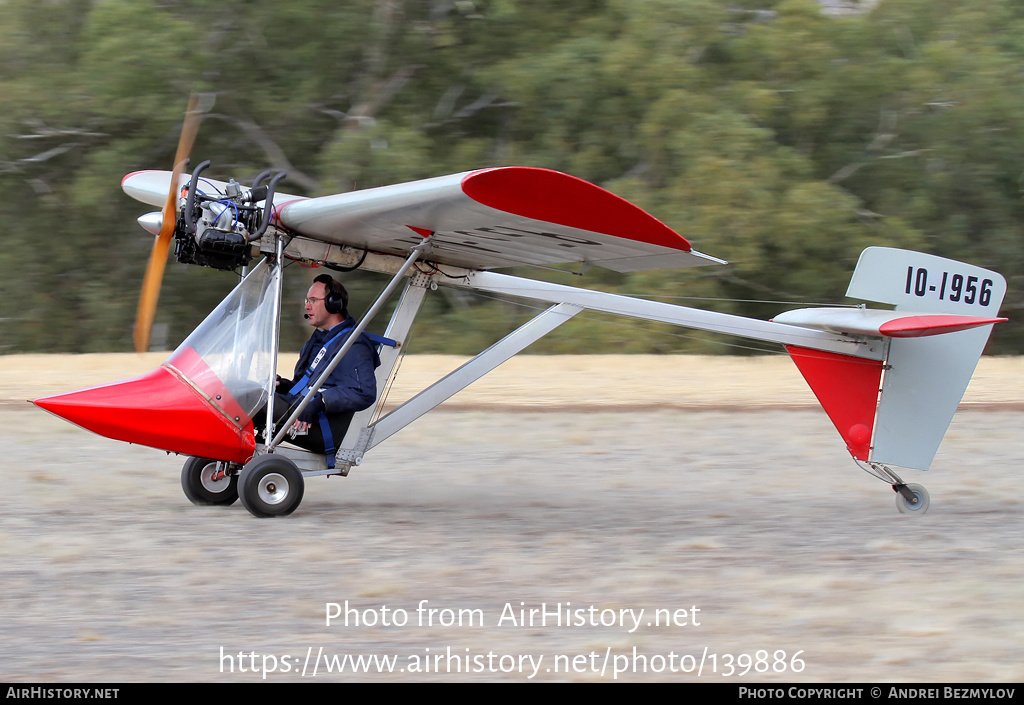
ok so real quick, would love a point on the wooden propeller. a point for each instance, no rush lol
(162, 244)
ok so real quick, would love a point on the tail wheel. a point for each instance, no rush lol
(916, 503)
(205, 482)
(270, 485)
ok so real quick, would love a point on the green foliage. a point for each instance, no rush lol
(767, 133)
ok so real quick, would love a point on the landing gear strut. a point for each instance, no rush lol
(205, 481)
(911, 498)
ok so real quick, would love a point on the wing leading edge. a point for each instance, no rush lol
(498, 217)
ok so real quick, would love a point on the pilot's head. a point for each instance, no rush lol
(326, 302)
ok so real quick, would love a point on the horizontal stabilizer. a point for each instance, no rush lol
(874, 322)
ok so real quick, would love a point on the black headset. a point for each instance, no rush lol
(336, 298)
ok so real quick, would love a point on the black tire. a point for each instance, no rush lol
(201, 489)
(270, 486)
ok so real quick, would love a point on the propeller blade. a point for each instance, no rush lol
(162, 244)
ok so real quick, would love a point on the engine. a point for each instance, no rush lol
(218, 229)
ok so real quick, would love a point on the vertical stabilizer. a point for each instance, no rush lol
(925, 377)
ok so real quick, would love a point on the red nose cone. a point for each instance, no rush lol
(160, 410)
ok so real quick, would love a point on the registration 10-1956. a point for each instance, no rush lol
(950, 287)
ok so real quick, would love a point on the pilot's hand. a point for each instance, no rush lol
(312, 410)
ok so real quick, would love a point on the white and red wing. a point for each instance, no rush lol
(482, 219)
(497, 218)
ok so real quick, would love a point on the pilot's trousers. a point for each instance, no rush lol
(284, 404)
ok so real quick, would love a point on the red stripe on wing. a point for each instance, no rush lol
(558, 198)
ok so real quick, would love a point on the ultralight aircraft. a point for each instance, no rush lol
(889, 379)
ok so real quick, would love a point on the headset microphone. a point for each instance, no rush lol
(306, 316)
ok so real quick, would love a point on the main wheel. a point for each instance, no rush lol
(204, 484)
(917, 508)
(270, 486)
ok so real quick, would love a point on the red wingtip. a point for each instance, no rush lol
(554, 197)
(158, 410)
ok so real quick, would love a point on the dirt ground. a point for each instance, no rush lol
(710, 493)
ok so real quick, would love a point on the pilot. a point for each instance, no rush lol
(351, 386)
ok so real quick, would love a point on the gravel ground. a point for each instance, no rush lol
(744, 522)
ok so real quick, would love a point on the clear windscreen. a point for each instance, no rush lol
(228, 357)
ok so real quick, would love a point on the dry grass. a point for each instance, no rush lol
(531, 381)
(758, 519)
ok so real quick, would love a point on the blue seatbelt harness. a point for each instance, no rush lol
(301, 387)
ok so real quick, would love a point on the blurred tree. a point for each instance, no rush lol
(767, 133)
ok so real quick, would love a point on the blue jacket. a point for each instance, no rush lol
(352, 386)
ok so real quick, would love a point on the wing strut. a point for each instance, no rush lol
(477, 367)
